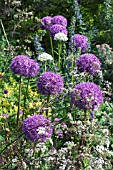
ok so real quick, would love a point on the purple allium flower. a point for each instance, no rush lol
(56, 28)
(88, 63)
(50, 83)
(86, 96)
(46, 22)
(5, 91)
(24, 66)
(80, 41)
(5, 115)
(34, 68)
(37, 128)
(59, 19)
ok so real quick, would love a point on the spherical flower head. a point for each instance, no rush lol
(59, 19)
(80, 40)
(60, 37)
(37, 128)
(34, 68)
(50, 83)
(86, 96)
(88, 63)
(56, 28)
(44, 57)
(46, 22)
(24, 66)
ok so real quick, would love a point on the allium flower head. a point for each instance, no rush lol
(80, 41)
(50, 83)
(59, 19)
(46, 22)
(44, 57)
(37, 128)
(88, 63)
(56, 28)
(86, 96)
(60, 37)
(24, 66)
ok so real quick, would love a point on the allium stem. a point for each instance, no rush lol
(59, 53)
(51, 42)
(72, 67)
(25, 97)
(45, 66)
(19, 100)
(48, 98)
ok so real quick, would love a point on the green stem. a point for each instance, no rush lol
(45, 66)
(72, 67)
(19, 100)
(48, 97)
(51, 42)
(25, 97)
(59, 53)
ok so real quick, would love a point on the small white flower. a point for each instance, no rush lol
(60, 37)
(105, 131)
(14, 160)
(29, 152)
(24, 165)
(41, 130)
(44, 57)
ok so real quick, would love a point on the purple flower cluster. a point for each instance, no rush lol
(24, 66)
(46, 22)
(56, 28)
(37, 128)
(59, 19)
(86, 96)
(50, 83)
(80, 40)
(55, 24)
(88, 63)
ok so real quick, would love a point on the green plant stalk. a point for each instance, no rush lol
(72, 67)
(48, 98)
(19, 100)
(25, 97)
(59, 53)
(45, 66)
(52, 51)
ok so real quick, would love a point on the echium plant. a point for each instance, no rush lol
(76, 21)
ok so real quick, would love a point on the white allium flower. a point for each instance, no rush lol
(60, 37)
(44, 57)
